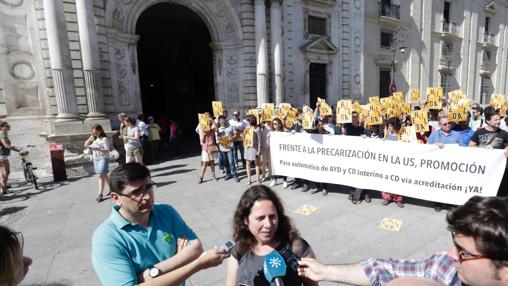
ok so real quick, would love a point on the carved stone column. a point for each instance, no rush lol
(60, 59)
(261, 53)
(90, 57)
(276, 37)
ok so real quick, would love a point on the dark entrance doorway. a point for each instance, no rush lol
(317, 80)
(175, 67)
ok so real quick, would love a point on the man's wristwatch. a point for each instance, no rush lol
(153, 272)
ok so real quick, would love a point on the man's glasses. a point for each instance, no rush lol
(140, 192)
(465, 255)
(447, 123)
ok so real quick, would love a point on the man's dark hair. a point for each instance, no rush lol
(124, 174)
(489, 112)
(485, 219)
(252, 120)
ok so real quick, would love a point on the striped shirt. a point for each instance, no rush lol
(438, 267)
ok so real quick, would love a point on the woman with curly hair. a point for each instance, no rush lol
(260, 227)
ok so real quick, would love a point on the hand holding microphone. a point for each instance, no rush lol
(274, 268)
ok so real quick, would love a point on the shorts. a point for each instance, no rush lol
(134, 152)
(101, 165)
(207, 157)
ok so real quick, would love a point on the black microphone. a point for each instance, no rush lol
(274, 268)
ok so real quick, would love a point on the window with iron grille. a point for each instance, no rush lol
(386, 39)
(316, 25)
(485, 90)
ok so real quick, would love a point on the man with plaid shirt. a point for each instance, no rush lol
(478, 256)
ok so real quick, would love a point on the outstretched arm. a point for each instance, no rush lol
(348, 273)
(207, 259)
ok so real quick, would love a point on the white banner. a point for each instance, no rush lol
(449, 175)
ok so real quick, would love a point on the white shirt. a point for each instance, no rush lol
(100, 143)
(143, 128)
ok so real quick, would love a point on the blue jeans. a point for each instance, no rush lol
(229, 162)
(238, 145)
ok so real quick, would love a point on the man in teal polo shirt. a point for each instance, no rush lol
(138, 242)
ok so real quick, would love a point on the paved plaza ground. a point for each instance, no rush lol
(58, 221)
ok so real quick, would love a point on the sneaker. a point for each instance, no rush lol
(400, 204)
(385, 202)
(368, 199)
(317, 190)
(272, 183)
(237, 179)
(305, 188)
(228, 177)
(325, 192)
(285, 185)
(295, 186)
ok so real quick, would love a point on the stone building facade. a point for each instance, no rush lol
(68, 64)
(449, 43)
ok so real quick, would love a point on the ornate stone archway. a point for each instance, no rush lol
(224, 28)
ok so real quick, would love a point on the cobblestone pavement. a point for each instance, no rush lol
(58, 221)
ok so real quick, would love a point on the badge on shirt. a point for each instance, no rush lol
(167, 237)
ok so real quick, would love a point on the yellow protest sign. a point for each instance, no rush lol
(344, 111)
(497, 100)
(374, 99)
(408, 134)
(405, 107)
(204, 122)
(373, 118)
(357, 107)
(435, 92)
(285, 106)
(226, 141)
(308, 118)
(503, 108)
(457, 115)
(390, 224)
(398, 97)
(324, 108)
(290, 118)
(420, 120)
(415, 96)
(455, 96)
(217, 108)
(267, 115)
(305, 210)
(434, 102)
(248, 137)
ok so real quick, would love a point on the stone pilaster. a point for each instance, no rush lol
(261, 52)
(90, 56)
(276, 41)
(60, 61)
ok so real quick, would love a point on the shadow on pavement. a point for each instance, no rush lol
(162, 184)
(167, 167)
(28, 191)
(10, 210)
(174, 172)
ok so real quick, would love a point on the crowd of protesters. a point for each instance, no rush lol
(483, 128)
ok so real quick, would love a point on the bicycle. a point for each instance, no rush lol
(28, 168)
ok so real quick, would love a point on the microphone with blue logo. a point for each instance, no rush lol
(274, 268)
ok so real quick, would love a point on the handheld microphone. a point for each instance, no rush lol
(274, 268)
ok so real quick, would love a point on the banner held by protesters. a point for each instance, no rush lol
(450, 175)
